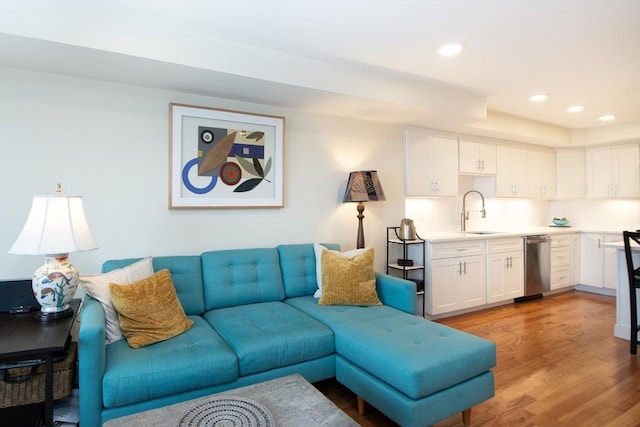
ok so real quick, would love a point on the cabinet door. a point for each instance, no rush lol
(505, 276)
(515, 275)
(599, 172)
(477, 158)
(625, 170)
(431, 164)
(542, 173)
(511, 172)
(570, 173)
(591, 260)
(443, 289)
(472, 282)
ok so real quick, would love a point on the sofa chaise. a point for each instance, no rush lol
(255, 318)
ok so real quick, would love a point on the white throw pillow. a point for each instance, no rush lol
(97, 286)
(318, 248)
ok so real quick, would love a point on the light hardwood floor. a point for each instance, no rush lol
(558, 365)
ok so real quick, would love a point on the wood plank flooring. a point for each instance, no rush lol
(558, 365)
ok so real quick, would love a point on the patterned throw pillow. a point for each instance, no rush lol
(149, 310)
(348, 280)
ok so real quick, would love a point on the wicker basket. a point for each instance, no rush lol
(26, 385)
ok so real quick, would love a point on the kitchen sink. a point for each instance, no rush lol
(485, 232)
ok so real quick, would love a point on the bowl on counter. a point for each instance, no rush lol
(560, 221)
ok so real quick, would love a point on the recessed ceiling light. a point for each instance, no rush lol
(538, 98)
(450, 49)
(575, 108)
(607, 117)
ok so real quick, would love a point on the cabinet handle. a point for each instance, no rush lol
(465, 267)
(460, 268)
(598, 243)
(482, 167)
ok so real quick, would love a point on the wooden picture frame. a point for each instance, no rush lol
(224, 158)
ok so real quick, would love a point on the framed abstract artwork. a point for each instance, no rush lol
(225, 159)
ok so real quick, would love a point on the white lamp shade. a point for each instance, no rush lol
(56, 225)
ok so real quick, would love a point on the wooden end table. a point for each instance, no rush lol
(25, 336)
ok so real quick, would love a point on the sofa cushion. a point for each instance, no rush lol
(414, 355)
(162, 369)
(97, 286)
(270, 335)
(298, 264)
(149, 310)
(186, 273)
(241, 276)
(348, 280)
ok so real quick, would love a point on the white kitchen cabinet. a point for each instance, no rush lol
(571, 173)
(561, 261)
(456, 276)
(512, 179)
(431, 164)
(505, 269)
(613, 171)
(598, 264)
(574, 271)
(541, 166)
(476, 158)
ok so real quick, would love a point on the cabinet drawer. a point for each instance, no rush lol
(456, 249)
(560, 277)
(508, 244)
(560, 256)
(562, 240)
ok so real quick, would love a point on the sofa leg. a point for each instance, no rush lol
(361, 405)
(466, 417)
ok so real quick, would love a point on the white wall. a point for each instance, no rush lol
(109, 143)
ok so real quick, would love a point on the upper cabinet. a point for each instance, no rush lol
(431, 164)
(542, 173)
(613, 171)
(571, 173)
(511, 172)
(477, 158)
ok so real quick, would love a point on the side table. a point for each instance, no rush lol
(25, 337)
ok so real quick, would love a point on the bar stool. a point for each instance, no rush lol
(634, 285)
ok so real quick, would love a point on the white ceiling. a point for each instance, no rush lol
(576, 51)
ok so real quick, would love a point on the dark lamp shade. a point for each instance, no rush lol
(363, 186)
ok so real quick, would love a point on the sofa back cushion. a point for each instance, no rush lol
(298, 264)
(186, 273)
(241, 276)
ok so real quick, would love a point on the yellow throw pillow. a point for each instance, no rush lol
(348, 280)
(149, 310)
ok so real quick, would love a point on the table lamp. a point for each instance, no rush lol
(362, 186)
(56, 226)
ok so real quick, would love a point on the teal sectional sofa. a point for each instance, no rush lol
(255, 319)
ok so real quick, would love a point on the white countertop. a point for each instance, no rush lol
(444, 236)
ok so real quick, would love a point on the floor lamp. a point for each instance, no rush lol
(363, 186)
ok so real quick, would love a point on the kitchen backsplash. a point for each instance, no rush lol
(443, 214)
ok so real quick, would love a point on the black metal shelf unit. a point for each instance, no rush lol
(405, 262)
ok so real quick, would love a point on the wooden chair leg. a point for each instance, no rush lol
(466, 417)
(361, 405)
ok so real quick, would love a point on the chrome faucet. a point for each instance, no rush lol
(465, 215)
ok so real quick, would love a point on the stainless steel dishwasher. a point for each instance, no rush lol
(537, 271)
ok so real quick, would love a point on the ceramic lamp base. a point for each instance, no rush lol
(54, 285)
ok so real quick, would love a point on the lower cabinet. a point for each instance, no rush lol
(456, 277)
(598, 264)
(505, 269)
(456, 283)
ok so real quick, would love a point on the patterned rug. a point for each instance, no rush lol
(228, 411)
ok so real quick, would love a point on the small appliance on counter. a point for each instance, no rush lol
(407, 230)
